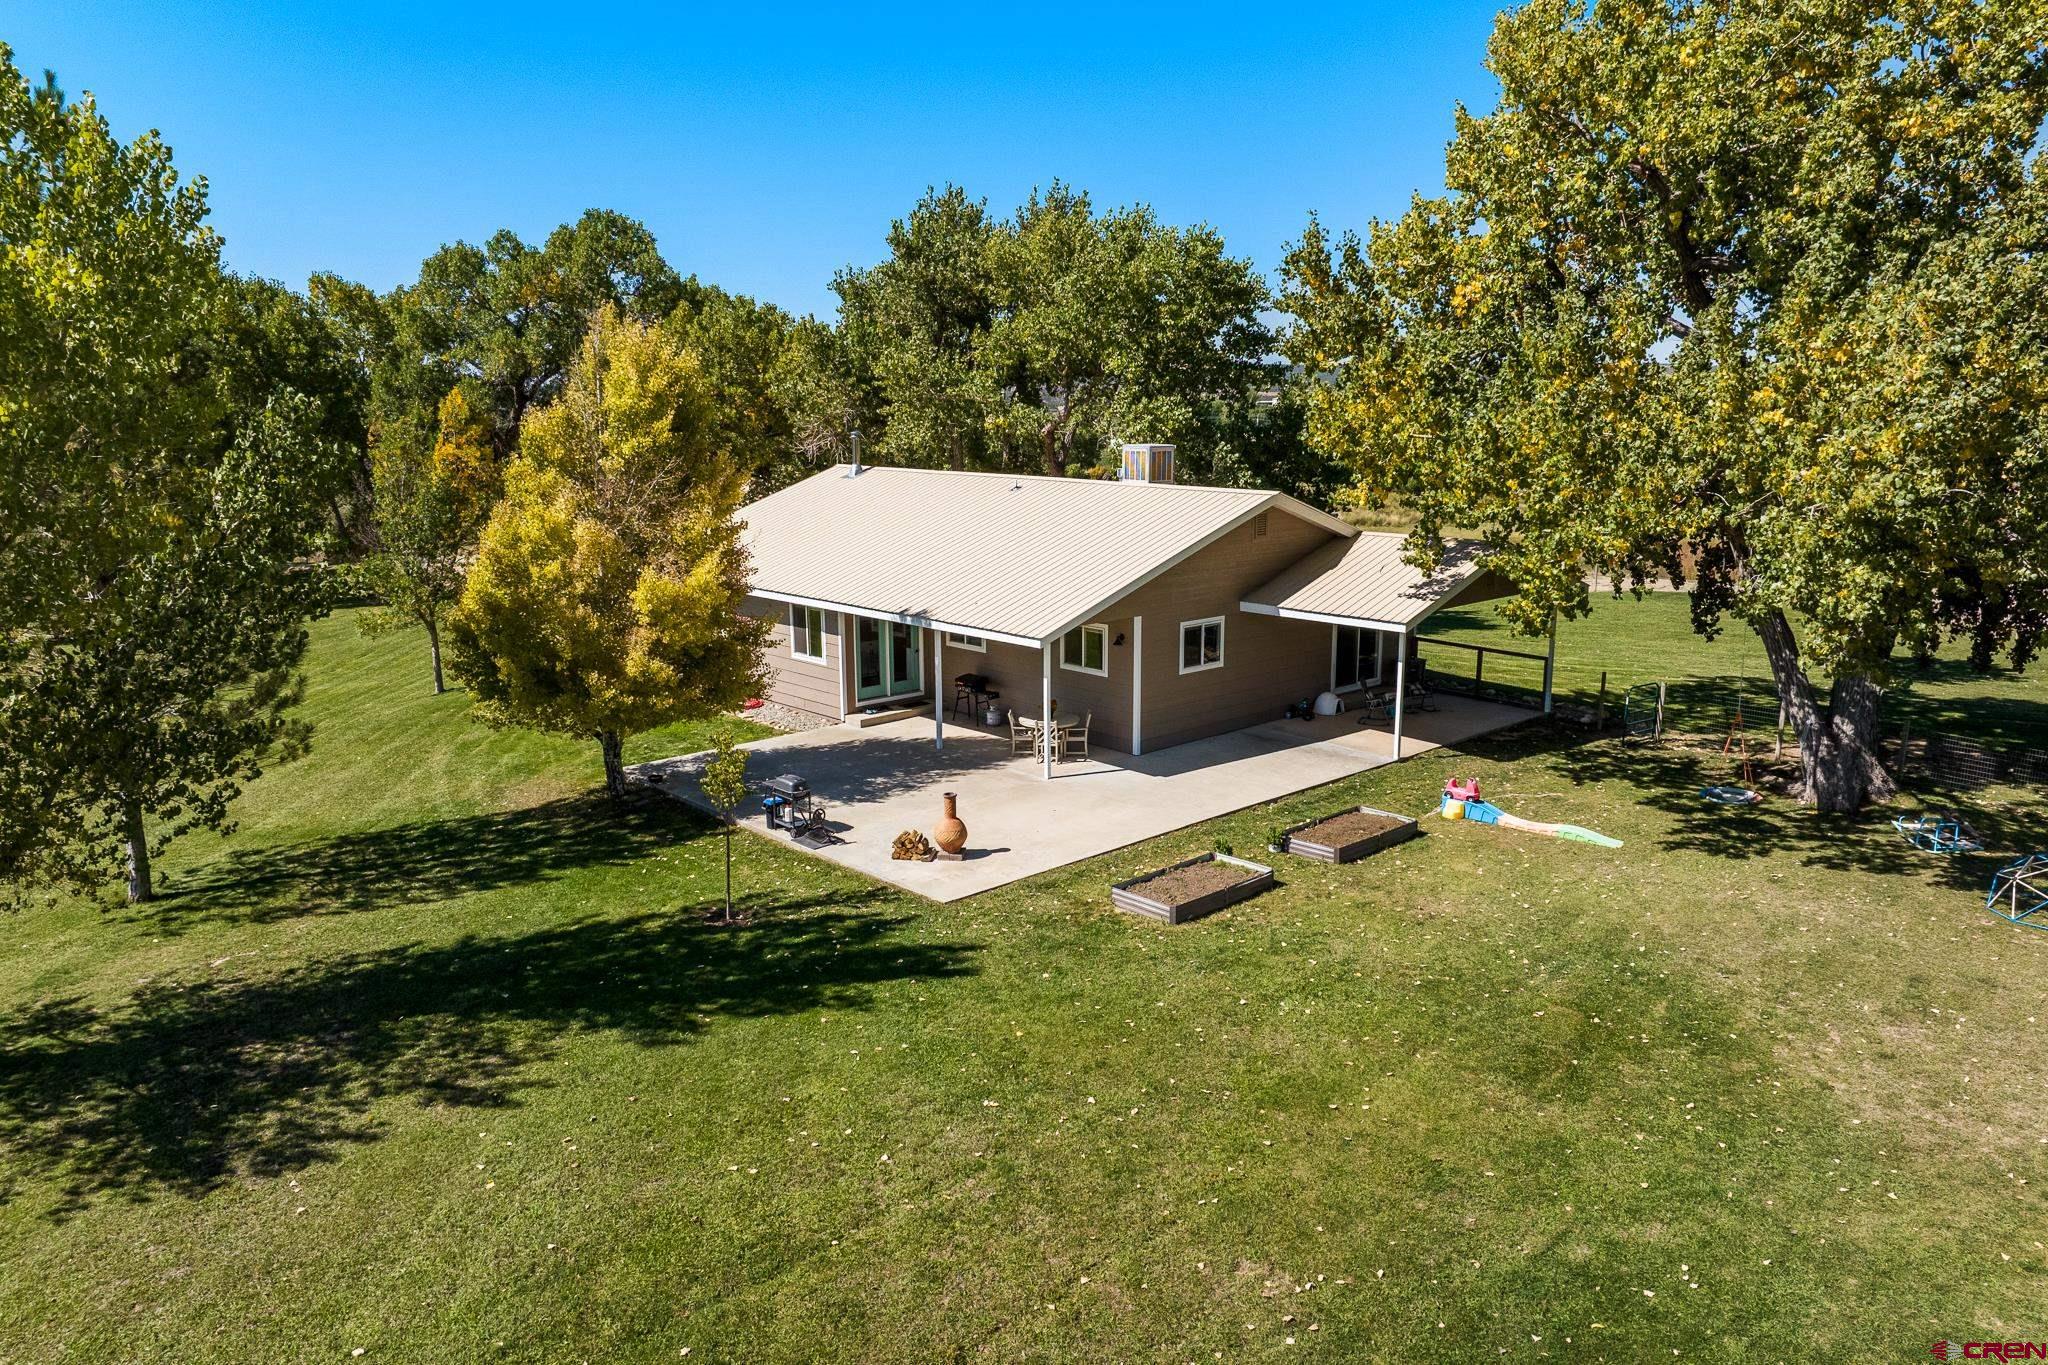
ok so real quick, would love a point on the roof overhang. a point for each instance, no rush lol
(904, 618)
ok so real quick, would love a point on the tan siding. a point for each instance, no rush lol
(1267, 661)
(799, 684)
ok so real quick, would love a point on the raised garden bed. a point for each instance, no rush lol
(1348, 835)
(1188, 890)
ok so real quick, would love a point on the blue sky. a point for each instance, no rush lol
(765, 149)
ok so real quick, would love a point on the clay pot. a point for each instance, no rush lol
(950, 834)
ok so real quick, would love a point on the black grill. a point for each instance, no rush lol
(789, 787)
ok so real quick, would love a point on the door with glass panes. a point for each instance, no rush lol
(1356, 662)
(888, 660)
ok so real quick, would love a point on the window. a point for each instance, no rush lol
(973, 642)
(1355, 658)
(807, 634)
(1085, 649)
(1201, 644)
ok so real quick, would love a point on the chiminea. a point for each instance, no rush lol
(950, 834)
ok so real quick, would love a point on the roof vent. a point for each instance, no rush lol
(1147, 464)
(853, 439)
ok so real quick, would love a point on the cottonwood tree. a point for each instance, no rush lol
(739, 344)
(156, 508)
(605, 595)
(1119, 327)
(509, 316)
(1748, 293)
(912, 324)
(1039, 340)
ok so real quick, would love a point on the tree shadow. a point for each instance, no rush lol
(190, 1085)
(1668, 778)
(423, 861)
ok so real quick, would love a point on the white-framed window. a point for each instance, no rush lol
(807, 634)
(1085, 649)
(973, 642)
(1201, 644)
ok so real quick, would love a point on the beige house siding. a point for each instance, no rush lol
(1267, 661)
(800, 684)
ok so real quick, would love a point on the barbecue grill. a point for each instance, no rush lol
(787, 803)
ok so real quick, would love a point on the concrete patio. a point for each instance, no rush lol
(879, 781)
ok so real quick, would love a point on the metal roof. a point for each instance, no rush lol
(1021, 558)
(1369, 582)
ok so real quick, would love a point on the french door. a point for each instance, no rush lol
(888, 659)
(1356, 659)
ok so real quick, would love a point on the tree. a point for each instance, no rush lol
(157, 508)
(431, 504)
(1037, 341)
(739, 345)
(913, 323)
(509, 317)
(605, 595)
(724, 781)
(1747, 292)
(1117, 327)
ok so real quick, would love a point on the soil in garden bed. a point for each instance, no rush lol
(1185, 884)
(1348, 828)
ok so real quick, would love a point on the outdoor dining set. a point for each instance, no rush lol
(1068, 735)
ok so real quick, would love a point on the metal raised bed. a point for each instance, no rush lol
(1357, 848)
(1131, 895)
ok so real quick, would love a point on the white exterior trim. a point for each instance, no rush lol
(1290, 614)
(799, 654)
(900, 618)
(1061, 645)
(1180, 657)
(1137, 686)
(959, 640)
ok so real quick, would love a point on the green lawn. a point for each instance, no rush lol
(1651, 640)
(436, 1059)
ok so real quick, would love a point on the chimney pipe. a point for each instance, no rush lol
(854, 472)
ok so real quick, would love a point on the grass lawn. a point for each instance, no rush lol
(437, 1059)
(1636, 642)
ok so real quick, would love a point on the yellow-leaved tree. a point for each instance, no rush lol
(605, 594)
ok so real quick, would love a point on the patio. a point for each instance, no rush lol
(879, 781)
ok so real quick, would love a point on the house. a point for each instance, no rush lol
(1169, 612)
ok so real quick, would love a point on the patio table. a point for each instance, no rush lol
(1062, 725)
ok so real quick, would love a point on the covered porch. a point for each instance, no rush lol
(881, 780)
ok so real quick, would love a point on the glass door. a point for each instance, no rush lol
(888, 659)
(1357, 658)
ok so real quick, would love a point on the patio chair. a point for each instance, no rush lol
(1074, 739)
(1023, 735)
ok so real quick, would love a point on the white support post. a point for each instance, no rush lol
(1045, 713)
(845, 643)
(1400, 693)
(1550, 664)
(1137, 685)
(938, 690)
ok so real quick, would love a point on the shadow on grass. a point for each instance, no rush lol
(425, 861)
(1668, 778)
(194, 1084)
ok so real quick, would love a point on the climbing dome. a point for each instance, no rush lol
(2019, 891)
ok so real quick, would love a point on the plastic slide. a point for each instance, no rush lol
(1461, 802)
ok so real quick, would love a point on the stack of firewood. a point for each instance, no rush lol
(912, 847)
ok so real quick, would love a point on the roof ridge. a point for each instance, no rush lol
(1063, 479)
